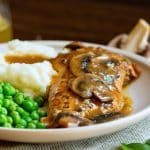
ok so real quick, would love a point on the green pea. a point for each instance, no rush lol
(8, 97)
(19, 98)
(35, 115)
(39, 100)
(42, 113)
(7, 125)
(8, 90)
(3, 119)
(22, 122)
(28, 105)
(35, 104)
(3, 111)
(14, 113)
(21, 111)
(6, 84)
(1, 96)
(34, 121)
(1, 83)
(6, 103)
(29, 98)
(12, 106)
(25, 113)
(16, 117)
(9, 120)
(1, 102)
(27, 118)
(1, 88)
(41, 125)
(20, 126)
(31, 125)
(17, 91)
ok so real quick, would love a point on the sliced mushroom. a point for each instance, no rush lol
(110, 69)
(79, 64)
(103, 98)
(107, 67)
(88, 63)
(118, 41)
(104, 64)
(82, 85)
(68, 120)
(138, 38)
(136, 41)
(146, 52)
(89, 85)
(74, 45)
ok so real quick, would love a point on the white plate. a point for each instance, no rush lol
(139, 91)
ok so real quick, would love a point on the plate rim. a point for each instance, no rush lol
(130, 120)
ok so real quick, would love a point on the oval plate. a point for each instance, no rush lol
(139, 92)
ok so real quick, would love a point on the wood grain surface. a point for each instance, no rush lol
(86, 20)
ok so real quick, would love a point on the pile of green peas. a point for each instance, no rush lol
(18, 110)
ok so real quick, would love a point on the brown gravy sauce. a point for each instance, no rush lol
(28, 59)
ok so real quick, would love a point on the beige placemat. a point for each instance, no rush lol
(136, 133)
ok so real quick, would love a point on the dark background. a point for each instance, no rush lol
(86, 20)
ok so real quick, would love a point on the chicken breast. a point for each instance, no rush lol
(88, 88)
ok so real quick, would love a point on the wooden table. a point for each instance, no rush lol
(86, 20)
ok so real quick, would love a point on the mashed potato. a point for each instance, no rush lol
(32, 79)
(21, 48)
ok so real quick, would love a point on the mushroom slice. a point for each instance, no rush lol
(103, 98)
(69, 119)
(136, 41)
(118, 41)
(146, 52)
(79, 64)
(81, 86)
(88, 85)
(111, 69)
(74, 46)
(138, 38)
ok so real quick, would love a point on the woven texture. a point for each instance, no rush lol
(136, 133)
